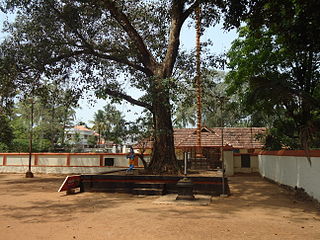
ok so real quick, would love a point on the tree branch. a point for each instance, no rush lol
(178, 19)
(145, 57)
(128, 98)
(191, 9)
(64, 56)
(91, 49)
(101, 55)
(123, 61)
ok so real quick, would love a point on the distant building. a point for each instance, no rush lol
(82, 136)
(83, 139)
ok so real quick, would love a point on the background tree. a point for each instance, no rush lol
(21, 126)
(7, 94)
(214, 88)
(116, 130)
(101, 40)
(275, 68)
(99, 124)
(92, 141)
(6, 134)
(140, 130)
(49, 129)
(58, 103)
(110, 124)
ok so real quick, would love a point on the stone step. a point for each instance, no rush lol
(149, 185)
(112, 190)
(148, 191)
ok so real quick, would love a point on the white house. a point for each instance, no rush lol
(80, 135)
(84, 139)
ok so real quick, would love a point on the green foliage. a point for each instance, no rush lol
(141, 129)
(42, 145)
(57, 103)
(99, 124)
(50, 121)
(100, 41)
(272, 143)
(92, 140)
(110, 124)
(20, 145)
(110, 46)
(216, 105)
(3, 147)
(8, 88)
(275, 69)
(6, 134)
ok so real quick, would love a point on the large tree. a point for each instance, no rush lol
(275, 68)
(101, 41)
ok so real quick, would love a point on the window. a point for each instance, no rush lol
(108, 161)
(245, 160)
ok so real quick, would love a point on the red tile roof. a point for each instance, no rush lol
(82, 128)
(211, 137)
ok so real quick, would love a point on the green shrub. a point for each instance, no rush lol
(3, 147)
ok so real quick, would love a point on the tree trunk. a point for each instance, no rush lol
(163, 154)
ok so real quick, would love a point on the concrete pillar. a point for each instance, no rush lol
(228, 162)
(114, 148)
(124, 149)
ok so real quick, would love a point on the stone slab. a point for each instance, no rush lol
(170, 199)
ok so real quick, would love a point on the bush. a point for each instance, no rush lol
(20, 145)
(3, 147)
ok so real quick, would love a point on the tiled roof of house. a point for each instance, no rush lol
(212, 137)
(82, 128)
(88, 131)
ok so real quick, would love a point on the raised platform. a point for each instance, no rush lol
(165, 184)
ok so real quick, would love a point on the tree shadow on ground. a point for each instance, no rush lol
(33, 184)
(248, 193)
(53, 206)
(63, 208)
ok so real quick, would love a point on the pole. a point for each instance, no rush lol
(222, 143)
(198, 81)
(185, 163)
(29, 174)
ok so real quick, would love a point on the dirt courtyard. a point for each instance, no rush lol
(32, 209)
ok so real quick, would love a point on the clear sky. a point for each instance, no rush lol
(221, 43)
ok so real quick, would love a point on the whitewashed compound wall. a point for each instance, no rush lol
(64, 163)
(293, 169)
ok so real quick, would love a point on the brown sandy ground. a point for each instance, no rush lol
(31, 209)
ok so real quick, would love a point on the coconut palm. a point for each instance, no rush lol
(99, 122)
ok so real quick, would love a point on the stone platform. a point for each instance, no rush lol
(129, 183)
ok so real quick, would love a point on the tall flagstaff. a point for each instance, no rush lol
(198, 81)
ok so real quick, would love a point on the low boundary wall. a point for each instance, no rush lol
(64, 163)
(292, 168)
